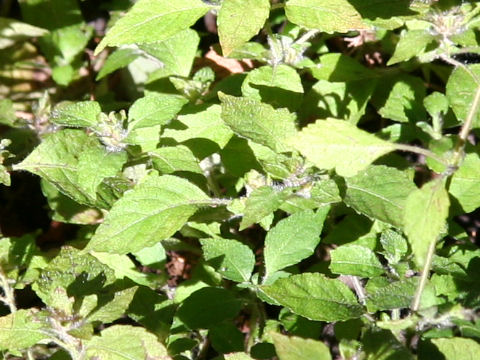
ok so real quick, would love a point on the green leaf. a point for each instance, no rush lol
(394, 244)
(336, 67)
(176, 53)
(297, 348)
(381, 344)
(120, 342)
(337, 144)
(293, 239)
(117, 60)
(206, 124)
(71, 274)
(396, 295)
(90, 174)
(340, 100)
(124, 267)
(315, 297)
(12, 31)
(329, 17)
(21, 329)
(239, 20)
(261, 203)
(379, 192)
(457, 348)
(66, 209)
(258, 122)
(279, 86)
(411, 44)
(150, 21)
(460, 91)
(56, 160)
(77, 114)
(355, 260)
(465, 184)
(226, 338)
(154, 109)
(170, 159)
(7, 112)
(113, 306)
(426, 211)
(208, 307)
(400, 98)
(154, 210)
(231, 258)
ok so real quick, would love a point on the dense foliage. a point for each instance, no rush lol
(239, 179)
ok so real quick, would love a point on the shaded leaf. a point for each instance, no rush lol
(208, 307)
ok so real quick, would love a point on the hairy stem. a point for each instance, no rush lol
(9, 296)
(424, 277)
(421, 151)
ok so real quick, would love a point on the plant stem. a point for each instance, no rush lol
(305, 37)
(421, 151)
(424, 277)
(9, 298)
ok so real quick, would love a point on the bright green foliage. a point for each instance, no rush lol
(234, 260)
(261, 203)
(456, 348)
(150, 21)
(202, 125)
(339, 145)
(336, 15)
(258, 121)
(239, 179)
(279, 86)
(465, 183)
(379, 192)
(20, 330)
(151, 212)
(57, 160)
(412, 44)
(79, 114)
(355, 260)
(239, 21)
(112, 346)
(426, 210)
(297, 348)
(315, 296)
(293, 239)
(460, 91)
